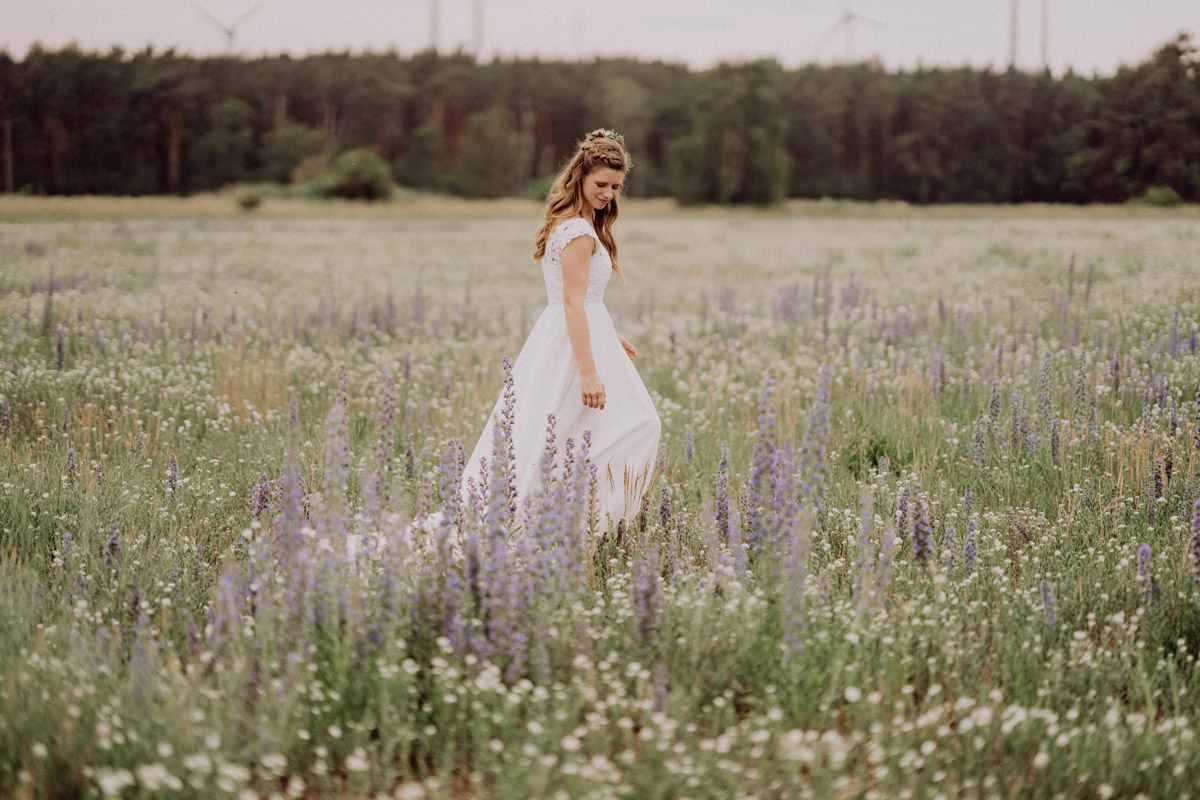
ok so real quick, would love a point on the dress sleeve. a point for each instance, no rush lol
(568, 231)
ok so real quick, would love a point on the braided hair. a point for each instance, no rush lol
(599, 149)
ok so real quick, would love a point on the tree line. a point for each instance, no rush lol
(164, 123)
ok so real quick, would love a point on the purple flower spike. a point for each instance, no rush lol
(1145, 573)
(1196, 542)
(970, 547)
(902, 513)
(664, 508)
(922, 531)
(647, 601)
(760, 464)
(949, 550)
(816, 440)
(173, 478)
(722, 498)
(1049, 605)
(71, 471)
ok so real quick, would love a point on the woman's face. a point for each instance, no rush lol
(601, 187)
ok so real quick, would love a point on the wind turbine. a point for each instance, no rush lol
(1012, 37)
(231, 29)
(1046, 34)
(846, 23)
(435, 23)
(479, 30)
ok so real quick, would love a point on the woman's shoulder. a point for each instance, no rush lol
(572, 228)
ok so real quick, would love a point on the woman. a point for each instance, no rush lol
(574, 364)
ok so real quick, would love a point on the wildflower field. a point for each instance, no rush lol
(926, 519)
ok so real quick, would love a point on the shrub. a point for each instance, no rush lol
(1160, 197)
(356, 175)
(249, 200)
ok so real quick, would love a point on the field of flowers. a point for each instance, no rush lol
(925, 523)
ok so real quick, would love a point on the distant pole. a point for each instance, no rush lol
(434, 23)
(1046, 34)
(1012, 37)
(8, 157)
(479, 30)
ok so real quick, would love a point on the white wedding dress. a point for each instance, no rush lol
(546, 380)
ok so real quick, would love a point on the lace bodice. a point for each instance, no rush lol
(599, 269)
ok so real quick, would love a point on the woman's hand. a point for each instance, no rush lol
(593, 390)
(630, 350)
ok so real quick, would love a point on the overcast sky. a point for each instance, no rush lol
(1088, 35)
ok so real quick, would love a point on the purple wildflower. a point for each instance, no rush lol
(994, 403)
(1145, 575)
(864, 562)
(664, 507)
(504, 466)
(922, 530)
(410, 457)
(60, 348)
(100, 473)
(1045, 393)
(970, 547)
(1081, 386)
(293, 412)
(1049, 604)
(760, 464)
(883, 572)
(978, 446)
(1055, 441)
(72, 469)
(902, 513)
(1196, 542)
(647, 601)
(816, 439)
(781, 526)
(949, 550)
(796, 569)
(385, 442)
(1021, 438)
(173, 478)
(1150, 502)
(112, 552)
(689, 446)
(450, 471)
(6, 416)
(336, 481)
(260, 495)
(721, 500)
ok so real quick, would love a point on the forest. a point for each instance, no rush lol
(75, 122)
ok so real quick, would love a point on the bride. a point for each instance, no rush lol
(574, 364)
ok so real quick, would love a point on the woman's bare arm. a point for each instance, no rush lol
(576, 258)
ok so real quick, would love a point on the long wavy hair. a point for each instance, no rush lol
(565, 199)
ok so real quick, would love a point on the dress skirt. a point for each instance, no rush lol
(546, 381)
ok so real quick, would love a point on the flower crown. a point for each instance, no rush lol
(605, 132)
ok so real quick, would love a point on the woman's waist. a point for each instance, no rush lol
(557, 302)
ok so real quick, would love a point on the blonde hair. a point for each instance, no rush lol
(565, 199)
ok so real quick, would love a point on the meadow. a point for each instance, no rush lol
(925, 522)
